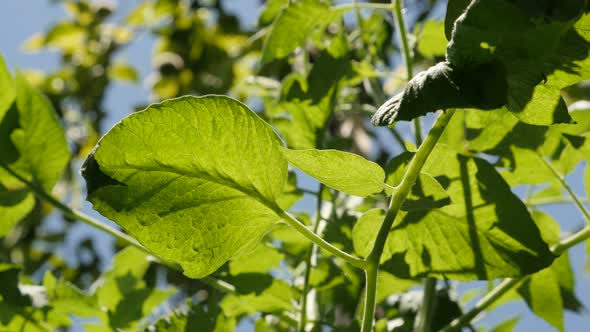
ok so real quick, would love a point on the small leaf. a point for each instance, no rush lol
(123, 72)
(507, 325)
(195, 180)
(343, 171)
(293, 26)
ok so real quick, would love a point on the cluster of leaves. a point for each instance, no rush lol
(211, 185)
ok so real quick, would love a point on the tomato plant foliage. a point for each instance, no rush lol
(206, 189)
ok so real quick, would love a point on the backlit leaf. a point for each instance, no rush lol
(343, 171)
(485, 233)
(195, 180)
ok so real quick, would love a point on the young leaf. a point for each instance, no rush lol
(293, 26)
(195, 180)
(485, 233)
(343, 171)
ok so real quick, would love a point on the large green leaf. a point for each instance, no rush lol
(343, 171)
(527, 52)
(485, 233)
(195, 180)
(293, 26)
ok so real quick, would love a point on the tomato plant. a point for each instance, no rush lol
(205, 185)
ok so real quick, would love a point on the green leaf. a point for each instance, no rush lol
(365, 231)
(293, 26)
(432, 41)
(66, 299)
(485, 233)
(272, 8)
(40, 140)
(14, 206)
(302, 117)
(7, 90)
(32, 144)
(507, 325)
(388, 284)
(542, 295)
(527, 53)
(129, 266)
(260, 260)
(262, 294)
(123, 72)
(542, 51)
(551, 290)
(194, 318)
(195, 180)
(66, 36)
(343, 171)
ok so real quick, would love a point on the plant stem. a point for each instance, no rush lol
(371, 273)
(561, 179)
(407, 57)
(424, 318)
(509, 283)
(308, 262)
(396, 202)
(553, 200)
(313, 237)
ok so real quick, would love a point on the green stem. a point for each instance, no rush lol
(509, 283)
(308, 262)
(553, 200)
(486, 301)
(396, 202)
(313, 237)
(371, 273)
(424, 318)
(407, 57)
(575, 199)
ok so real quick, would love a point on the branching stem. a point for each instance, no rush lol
(395, 205)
